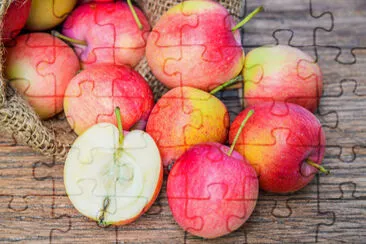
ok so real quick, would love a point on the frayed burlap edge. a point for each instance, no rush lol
(18, 118)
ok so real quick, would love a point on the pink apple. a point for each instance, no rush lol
(14, 19)
(108, 33)
(285, 143)
(184, 117)
(210, 192)
(40, 67)
(282, 73)
(93, 94)
(193, 45)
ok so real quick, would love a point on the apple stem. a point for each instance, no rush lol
(65, 38)
(246, 19)
(250, 113)
(318, 167)
(106, 203)
(134, 14)
(226, 84)
(119, 124)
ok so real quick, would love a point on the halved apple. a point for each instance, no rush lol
(112, 178)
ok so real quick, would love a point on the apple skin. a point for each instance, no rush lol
(93, 94)
(210, 193)
(184, 117)
(110, 31)
(46, 14)
(40, 67)
(282, 73)
(14, 19)
(181, 52)
(276, 141)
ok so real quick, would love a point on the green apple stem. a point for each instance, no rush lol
(68, 39)
(226, 84)
(119, 124)
(250, 113)
(137, 20)
(100, 219)
(318, 167)
(246, 19)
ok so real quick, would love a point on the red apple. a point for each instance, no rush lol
(107, 33)
(184, 117)
(210, 191)
(40, 67)
(93, 94)
(14, 19)
(193, 44)
(282, 73)
(284, 142)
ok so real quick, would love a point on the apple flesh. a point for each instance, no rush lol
(282, 73)
(46, 14)
(277, 141)
(109, 182)
(193, 44)
(186, 116)
(211, 193)
(110, 33)
(92, 95)
(14, 19)
(40, 67)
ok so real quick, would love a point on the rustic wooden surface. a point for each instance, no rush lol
(35, 208)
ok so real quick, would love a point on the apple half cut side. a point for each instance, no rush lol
(110, 182)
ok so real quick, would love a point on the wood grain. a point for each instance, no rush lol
(35, 208)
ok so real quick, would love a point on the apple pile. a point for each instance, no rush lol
(83, 64)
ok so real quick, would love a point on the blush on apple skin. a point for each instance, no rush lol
(282, 73)
(93, 94)
(110, 31)
(184, 117)
(184, 52)
(39, 67)
(276, 141)
(210, 193)
(15, 19)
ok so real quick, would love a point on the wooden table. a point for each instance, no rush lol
(34, 206)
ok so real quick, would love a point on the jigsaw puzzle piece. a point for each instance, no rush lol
(288, 75)
(108, 41)
(18, 173)
(349, 107)
(32, 222)
(329, 62)
(278, 219)
(340, 35)
(154, 223)
(33, 68)
(279, 16)
(344, 192)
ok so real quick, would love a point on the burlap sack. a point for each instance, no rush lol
(17, 118)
